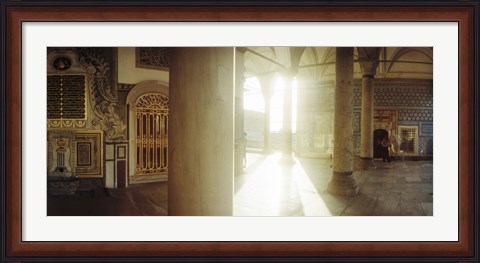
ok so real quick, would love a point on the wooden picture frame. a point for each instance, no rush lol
(463, 13)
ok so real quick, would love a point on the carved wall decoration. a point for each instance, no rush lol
(75, 152)
(60, 161)
(66, 97)
(89, 154)
(104, 98)
(153, 101)
(67, 123)
(84, 150)
(62, 63)
(385, 119)
(153, 57)
(61, 60)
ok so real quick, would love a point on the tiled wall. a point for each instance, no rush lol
(414, 101)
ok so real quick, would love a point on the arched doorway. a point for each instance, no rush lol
(378, 136)
(148, 106)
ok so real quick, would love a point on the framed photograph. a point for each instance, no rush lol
(215, 127)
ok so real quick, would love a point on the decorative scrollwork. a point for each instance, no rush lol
(66, 123)
(152, 101)
(153, 57)
(103, 97)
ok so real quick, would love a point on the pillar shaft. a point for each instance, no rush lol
(240, 148)
(266, 83)
(287, 117)
(343, 130)
(366, 148)
(201, 134)
(267, 145)
(342, 182)
(368, 60)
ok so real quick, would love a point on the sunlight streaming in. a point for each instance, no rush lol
(276, 121)
(252, 95)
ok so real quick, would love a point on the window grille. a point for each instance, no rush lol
(152, 134)
(409, 139)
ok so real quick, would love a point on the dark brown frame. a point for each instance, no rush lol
(466, 14)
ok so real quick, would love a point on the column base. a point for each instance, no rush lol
(343, 184)
(287, 158)
(364, 163)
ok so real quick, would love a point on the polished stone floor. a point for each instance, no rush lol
(270, 188)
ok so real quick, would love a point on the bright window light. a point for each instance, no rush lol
(252, 95)
(276, 119)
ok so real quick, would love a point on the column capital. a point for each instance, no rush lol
(368, 67)
(368, 60)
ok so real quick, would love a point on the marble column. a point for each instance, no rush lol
(239, 111)
(366, 142)
(266, 83)
(342, 182)
(287, 118)
(201, 134)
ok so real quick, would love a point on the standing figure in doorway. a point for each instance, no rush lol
(386, 143)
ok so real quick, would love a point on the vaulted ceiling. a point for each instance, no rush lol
(318, 63)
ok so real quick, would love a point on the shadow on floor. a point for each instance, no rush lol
(137, 200)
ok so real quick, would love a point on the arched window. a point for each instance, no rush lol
(151, 111)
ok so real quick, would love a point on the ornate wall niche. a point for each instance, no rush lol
(56, 55)
(89, 153)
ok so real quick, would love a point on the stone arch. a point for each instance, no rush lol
(427, 52)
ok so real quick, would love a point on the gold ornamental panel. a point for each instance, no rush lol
(152, 134)
(66, 101)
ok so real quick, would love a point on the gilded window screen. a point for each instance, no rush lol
(409, 135)
(66, 97)
(152, 134)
